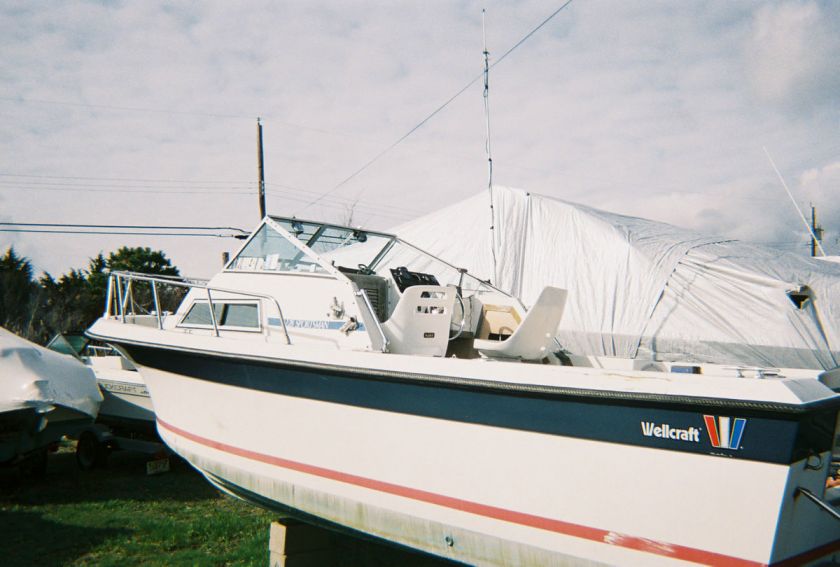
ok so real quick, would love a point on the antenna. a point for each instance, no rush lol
(792, 200)
(487, 142)
(261, 170)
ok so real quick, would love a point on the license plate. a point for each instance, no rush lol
(157, 466)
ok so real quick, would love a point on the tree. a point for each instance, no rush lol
(18, 291)
(67, 304)
(141, 260)
(72, 302)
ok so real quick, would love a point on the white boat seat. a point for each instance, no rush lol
(420, 321)
(534, 335)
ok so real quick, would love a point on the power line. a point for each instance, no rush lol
(408, 211)
(123, 185)
(126, 226)
(439, 108)
(121, 233)
(83, 189)
(166, 111)
(286, 194)
(4, 174)
(361, 207)
(235, 188)
(122, 108)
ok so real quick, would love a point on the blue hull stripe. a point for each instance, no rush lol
(775, 437)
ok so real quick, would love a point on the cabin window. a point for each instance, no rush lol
(228, 315)
(269, 251)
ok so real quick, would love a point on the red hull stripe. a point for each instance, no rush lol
(557, 526)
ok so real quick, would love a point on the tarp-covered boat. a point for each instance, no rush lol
(644, 289)
(44, 395)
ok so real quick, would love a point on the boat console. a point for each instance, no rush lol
(405, 278)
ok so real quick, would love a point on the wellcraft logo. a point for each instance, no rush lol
(665, 431)
(725, 432)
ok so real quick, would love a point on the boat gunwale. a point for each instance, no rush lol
(641, 399)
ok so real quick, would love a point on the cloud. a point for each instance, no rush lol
(792, 53)
(638, 108)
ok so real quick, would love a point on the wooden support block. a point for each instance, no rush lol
(291, 537)
(297, 544)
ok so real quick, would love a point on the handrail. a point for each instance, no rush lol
(120, 302)
(163, 276)
(133, 276)
(816, 500)
(109, 296)
(157, 306)
(463, 272)
(212, 309)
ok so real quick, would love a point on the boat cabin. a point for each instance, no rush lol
(304, 282)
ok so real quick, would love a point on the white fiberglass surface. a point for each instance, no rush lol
(525, 481)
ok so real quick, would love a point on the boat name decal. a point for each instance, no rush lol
(725, 432)
(124, 388)
(312, 324)
(665, 431)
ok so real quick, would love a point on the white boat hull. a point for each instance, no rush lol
(126, 404)
(485, 494)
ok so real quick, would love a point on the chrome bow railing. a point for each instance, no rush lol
(120, 297)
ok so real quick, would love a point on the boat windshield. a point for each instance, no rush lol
(350, 250)
(269, 250)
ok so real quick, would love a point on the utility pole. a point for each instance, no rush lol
(816, 232)
(260, 168)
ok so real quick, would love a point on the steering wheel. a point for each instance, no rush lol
(463, 318)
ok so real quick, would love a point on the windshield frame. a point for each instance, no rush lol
(305, 248)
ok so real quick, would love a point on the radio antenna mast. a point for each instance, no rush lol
(487, 143)
(260, 169)
(798, 210)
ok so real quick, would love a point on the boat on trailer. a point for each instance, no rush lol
(320, 375)
(44, 396)
(126, 405)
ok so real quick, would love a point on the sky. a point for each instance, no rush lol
(144, 113)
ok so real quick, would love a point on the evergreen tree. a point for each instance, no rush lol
(18, 292)
(38, 310)
(144, 261)
(141, 260)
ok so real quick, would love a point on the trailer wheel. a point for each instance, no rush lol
(90, 452)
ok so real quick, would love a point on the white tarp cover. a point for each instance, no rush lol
(644, 289)
(31, 375)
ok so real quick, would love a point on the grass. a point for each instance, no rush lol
(121, 516)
